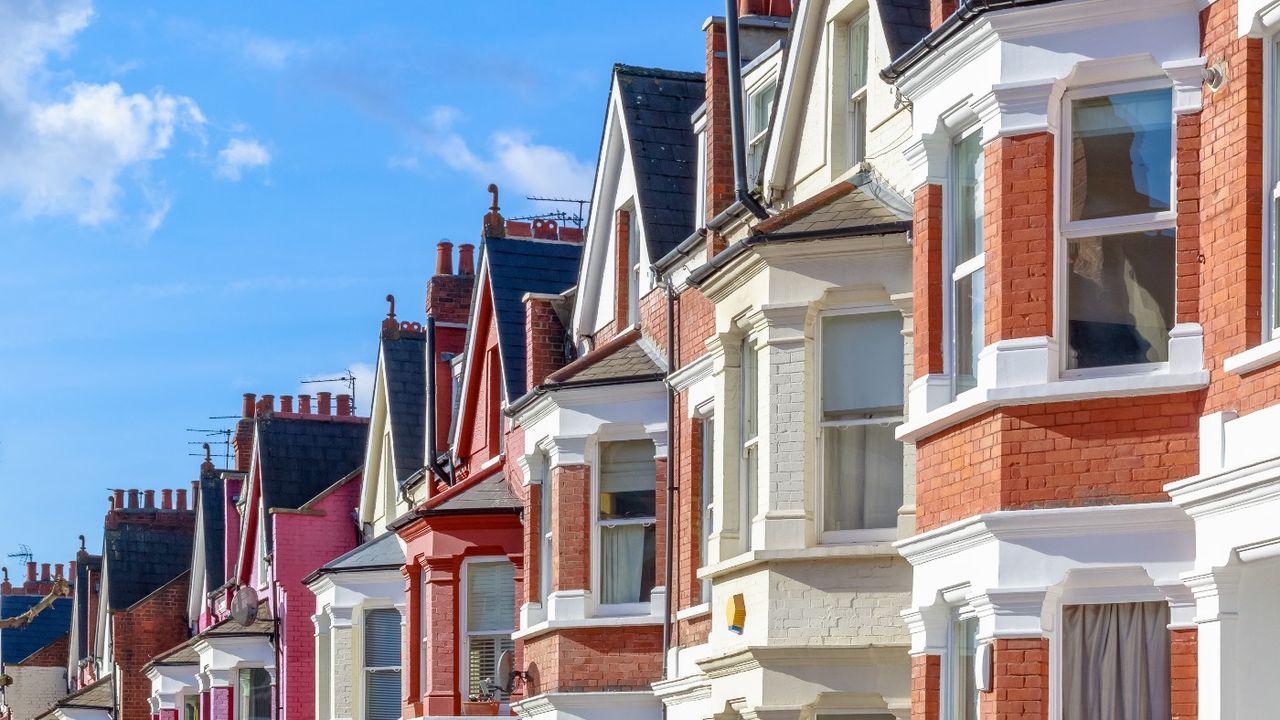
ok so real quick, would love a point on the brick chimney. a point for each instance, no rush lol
(166, 499)
(444, 258)
(242, 442)
(304, 404)
(31, 572)
(940, 10)
(44, 573)
(344, 405)
(325, 403)
(6, 588)
(770, 8)
(466, 259)
(545, 337)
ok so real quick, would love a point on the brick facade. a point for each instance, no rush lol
(1019, 681)
(926, 278)
(594, 660)
(146, 629)
(1018, 231)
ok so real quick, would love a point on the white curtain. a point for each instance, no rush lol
(1115, 661)
(621, 561)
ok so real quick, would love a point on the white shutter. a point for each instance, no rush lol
(628, 479)
(862, 363)
(382, 638)
(482, 660)
(382, 695)
(491, 596)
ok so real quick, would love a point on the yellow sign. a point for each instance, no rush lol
(736, 613)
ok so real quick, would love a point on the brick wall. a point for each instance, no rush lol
(1183, 680)
(1019, 681)
(926, 279)
(449, 298)
(719, 162)
(52, 655)
(594, 660)
(926, 686)
(152, 625)
(545, 339)
(571, 539)
(940, 10)
(1018, 229)
(621, 268)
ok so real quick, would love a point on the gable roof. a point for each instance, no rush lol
(404, 371)
(142, 557)
(300, 458)
(906, 22)
(517, 266)
(486, 494)
(16, 644)
(657, 108)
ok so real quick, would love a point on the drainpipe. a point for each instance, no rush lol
(740, 190)
(433, 457)
(672, 434)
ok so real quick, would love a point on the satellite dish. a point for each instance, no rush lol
(244, 606)
(506, 671)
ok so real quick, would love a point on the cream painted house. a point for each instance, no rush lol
(804, 384)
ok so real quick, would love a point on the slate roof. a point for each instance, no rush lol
(95, 697)
(300, 458)
(632, 360)
(17, 644)
(84, 563)
(519, 266)
(184, 654)
(845, 207)
(906, 22)
(491, 493)
(215, 520)
(404, 368)
(382, 551)
(140, 558)
(657, 107)
(264, 624)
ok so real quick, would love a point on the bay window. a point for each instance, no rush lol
(545, 520)
(748, 426)
(1119, 227)
(861, 400)
(627, 506)
(1115, 661)
(857, 82)
(966, 261)
(960, 689)
(759, 108)
(253, 699)
(382, 664)
(490, 619)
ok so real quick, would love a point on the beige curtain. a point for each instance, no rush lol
(1115, 661)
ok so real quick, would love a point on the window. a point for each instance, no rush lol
(627, 504)
(382, 664)
(490, 620)
(961, 689)
(966, 260)
(546, 519)
(759, 108)
(1119, 229)
(1115, 661)
(858, 90)
(862, 377)
(1273, 240)
(254, 701)
(708, 433)
(191, 707)
(749, 473)
(633, 268)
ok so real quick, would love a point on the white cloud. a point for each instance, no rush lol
(513, 159)
(364, 375)
(267, 52)
(240, 155)
(67, 150)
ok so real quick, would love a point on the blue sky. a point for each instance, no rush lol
(202, 200)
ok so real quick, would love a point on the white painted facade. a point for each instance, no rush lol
(342, 599)
(34, 690)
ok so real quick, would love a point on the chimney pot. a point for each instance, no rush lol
(344, 404)
(166, 499)
(119, 496)
(57, 571)
(466, 259)
(268, 402)
(71, 570)
(304, 404)
(195, 492)
(182, 499)
(149, 498)
(250, 401)
(286, 403)
(44, 572)
(323, 400)
(133, 499)
(31, 572)
(444, 258)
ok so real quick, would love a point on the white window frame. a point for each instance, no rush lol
(748, 444)
(1103, 227)
(706, 416)
(464, 634)
(365, 670)
(950, 693)
(633, 265)
(756, 142)
(546, 531)
(858, 128)
(700, 190)
(837, 537)
(1271, 184)
(954, 272)
(615, 609)
(239, 710)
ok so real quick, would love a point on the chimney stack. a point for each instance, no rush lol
(44, 572)
(31, 572)
(242, 442)
(444, 258)
(268, 404)
(344, 405)
(770, 8)
(57, 571)
(71, 570)
(940, 10)
(149, 499)
(286, 403)
(304, 404)
(324, 402)
(466, 259)
(166, 499)
(250, 402)
(119, 499)
(182, 500)
(133, 499)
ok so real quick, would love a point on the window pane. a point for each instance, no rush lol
(255, 694)
(862, 363)
(382, 699)
(1115, 661)
(1275, 264)
(628, 480)
(967, 197)
(491, 599)
(863, 477)
(1120, 299)
(626, 563)
(858, 130)
(708, 444)
(964, 691)
(858, 54)
(382, 638)
(548, 503)
(750, 387)
(750, 492)
(968, 308)
(482, 660)
(1121, 154)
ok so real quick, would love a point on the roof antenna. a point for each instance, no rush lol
(494, 224)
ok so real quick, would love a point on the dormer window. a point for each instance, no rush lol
(759, 108)
(857, 83)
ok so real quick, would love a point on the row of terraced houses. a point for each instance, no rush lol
(917, 360)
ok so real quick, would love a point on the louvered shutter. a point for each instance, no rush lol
(482, 662)
(382, 664)
(491, 596)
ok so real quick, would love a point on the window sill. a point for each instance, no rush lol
(547, 626)
(752, 558)
(1255, 358)
(696, 611)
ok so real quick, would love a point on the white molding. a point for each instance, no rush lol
(1256, 357)
(611, 705)
(1258, 18)
(1188, 84)
(851, 551)
(1017, 108)
(692, 373)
